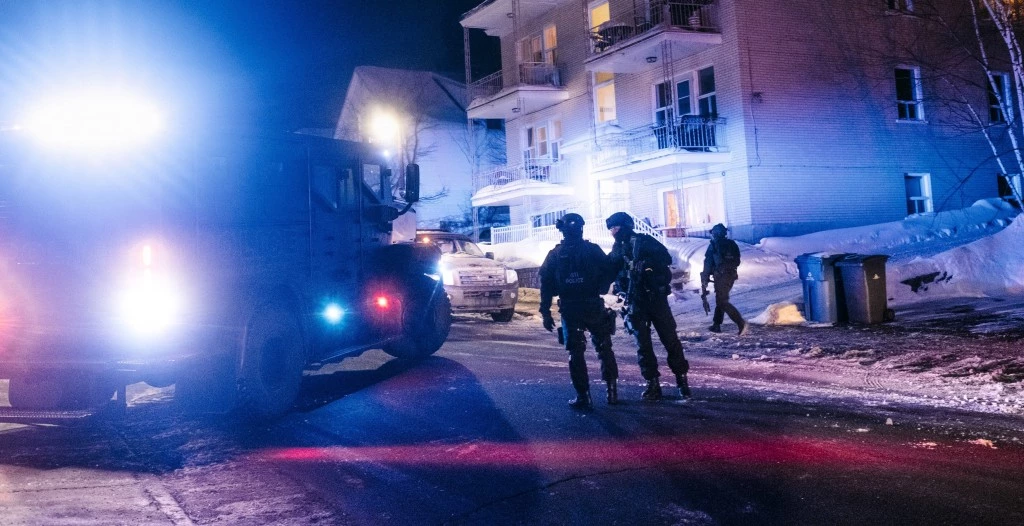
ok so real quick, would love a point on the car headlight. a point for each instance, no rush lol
(511, 276)
(447, 277)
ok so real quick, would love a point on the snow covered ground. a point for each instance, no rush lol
(955, 280)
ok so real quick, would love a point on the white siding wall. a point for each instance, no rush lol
(817, 147)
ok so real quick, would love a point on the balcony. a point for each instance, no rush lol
(690, 140)
(535, 86)
(495, 16)
(626, 44)
(508, 184)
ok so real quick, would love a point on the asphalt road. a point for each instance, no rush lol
(481, 434)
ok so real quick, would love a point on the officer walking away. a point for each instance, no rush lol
(643, 281)
(720, 262)
(577, 271)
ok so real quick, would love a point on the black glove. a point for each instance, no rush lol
(549, 322)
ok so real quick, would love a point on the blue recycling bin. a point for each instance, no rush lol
(817, 273)
(863, 285)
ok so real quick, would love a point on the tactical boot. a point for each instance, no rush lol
(613, 392)
(683, 384)
(715, 328)
(744, 327)
(653, 391)
(582, 401)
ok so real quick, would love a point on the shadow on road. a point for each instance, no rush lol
(408, 423)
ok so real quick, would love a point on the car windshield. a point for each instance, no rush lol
(458, 246)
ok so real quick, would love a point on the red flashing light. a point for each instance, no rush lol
(382, 302)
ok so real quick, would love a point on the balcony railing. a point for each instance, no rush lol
(529, 74)
(661, 14)
(542, 171)
(689, 133)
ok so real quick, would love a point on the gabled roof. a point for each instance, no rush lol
(424, 93)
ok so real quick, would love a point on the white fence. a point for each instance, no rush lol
(594, 230)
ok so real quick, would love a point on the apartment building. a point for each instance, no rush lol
(775, 117)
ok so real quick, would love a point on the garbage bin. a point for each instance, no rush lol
(817, 273)
(863, 283)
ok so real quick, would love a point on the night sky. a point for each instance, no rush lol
(282, 64)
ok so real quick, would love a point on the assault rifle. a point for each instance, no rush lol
(634, 273)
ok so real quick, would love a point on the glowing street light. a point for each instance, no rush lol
(384, 128)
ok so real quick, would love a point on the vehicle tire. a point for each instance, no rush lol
(207, 387)
(59, 391)
(504, 316)
(273, 357)
(425, 325)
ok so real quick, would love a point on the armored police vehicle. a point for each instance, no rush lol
(224, 264)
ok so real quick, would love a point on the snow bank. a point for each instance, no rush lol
(933, 253)
(883, 238)
(992, 265)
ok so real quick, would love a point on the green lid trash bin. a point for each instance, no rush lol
(817, 274)
(863, 283)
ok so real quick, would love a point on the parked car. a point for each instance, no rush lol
(473, 280)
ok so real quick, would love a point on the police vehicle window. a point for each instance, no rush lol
(325, 185)
(371, 178)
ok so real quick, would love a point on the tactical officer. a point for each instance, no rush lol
(577, 271)
(643, 281)
(721, 260)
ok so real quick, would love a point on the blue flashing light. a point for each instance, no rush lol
(333, 313)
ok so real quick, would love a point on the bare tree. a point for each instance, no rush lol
(965, 49)
(483, 148)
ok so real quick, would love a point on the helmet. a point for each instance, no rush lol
(570, 223)
(620, 219)
(719, 230)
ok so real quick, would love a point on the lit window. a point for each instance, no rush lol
(604, 90)
(919, 193)
(540, 48)
(599, 14)
(908, 94)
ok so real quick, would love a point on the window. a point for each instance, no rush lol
(684, 106)
(699, 205)
(540, 48)
(908, 94)
(999, 98)
(705, 204)
(325, 185)
(919, 193)
(900, 5)
(707, 102)
(599, 14)
(1009, 185)
(543, 141)
(604, 93)
(663, 104)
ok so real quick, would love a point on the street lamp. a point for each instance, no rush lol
(384, 128)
